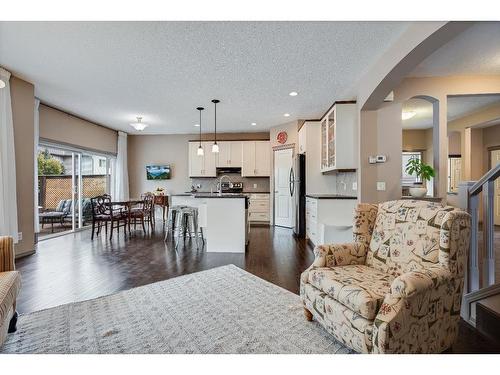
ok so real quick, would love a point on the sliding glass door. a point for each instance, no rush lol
(67, 179)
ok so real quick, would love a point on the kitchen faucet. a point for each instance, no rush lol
(220, 183)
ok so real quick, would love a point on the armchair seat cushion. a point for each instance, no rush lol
(358, 287)
(10, 284)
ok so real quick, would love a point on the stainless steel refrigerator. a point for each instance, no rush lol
(298, 193)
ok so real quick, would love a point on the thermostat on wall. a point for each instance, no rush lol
(381, 158)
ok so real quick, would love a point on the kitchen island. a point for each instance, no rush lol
(223, 219)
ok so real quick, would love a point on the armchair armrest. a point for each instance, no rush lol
(336, 255)
(415, 282)
(339, 254)
(7, 254)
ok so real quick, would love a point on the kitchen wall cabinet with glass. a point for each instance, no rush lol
(339, 147)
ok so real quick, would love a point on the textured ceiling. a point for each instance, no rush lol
(474, 51)
(458, 106)
(110, 72)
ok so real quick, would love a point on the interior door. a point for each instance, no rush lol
(495, 160)
(283, 201)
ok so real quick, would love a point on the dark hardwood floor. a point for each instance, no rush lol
(73, 268)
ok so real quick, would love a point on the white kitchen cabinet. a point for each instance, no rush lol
(303, 139)
(256, 159)
(329, 220)
(339, 146)
(259, 208)
(229, 154)
(201, 166)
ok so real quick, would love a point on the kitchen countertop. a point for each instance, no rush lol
(330, 196)
(208, 195)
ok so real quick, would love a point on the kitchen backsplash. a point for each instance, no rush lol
(344, 183)
(250, 185)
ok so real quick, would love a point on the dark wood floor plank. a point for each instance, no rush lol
(73, 268)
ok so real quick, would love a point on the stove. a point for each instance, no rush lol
(232, 187)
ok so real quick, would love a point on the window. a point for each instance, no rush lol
(409, 179)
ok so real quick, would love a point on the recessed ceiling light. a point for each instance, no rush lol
(286, 115)
(139, 125)
(294, 93)
(408, 115)
(196, 125)
(253, 123)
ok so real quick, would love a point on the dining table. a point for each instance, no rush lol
(128, 204)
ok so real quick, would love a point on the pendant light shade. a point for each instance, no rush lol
(200, 147)
(215, 146)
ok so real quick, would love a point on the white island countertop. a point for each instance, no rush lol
(222, 217)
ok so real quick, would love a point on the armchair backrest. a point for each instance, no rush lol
(412, 235)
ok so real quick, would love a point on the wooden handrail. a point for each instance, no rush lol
(491, 175)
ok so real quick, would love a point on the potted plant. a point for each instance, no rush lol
(423, 172)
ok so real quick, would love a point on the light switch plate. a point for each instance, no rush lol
(372, 159)
(354, 186)
(20, 236)
(380, 185)
(255, 186)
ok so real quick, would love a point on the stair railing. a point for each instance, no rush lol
(481, 272)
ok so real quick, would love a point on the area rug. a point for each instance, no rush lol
(222, 310)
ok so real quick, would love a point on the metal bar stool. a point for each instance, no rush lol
(174, 216)
(189, 224)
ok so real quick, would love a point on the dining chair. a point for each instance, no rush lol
(144, 214)
(103, 212)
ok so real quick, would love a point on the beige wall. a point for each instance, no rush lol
(168, 149)
(434, 87)
(60, 127)
(491, 138)
(23, 102)
(292, 130)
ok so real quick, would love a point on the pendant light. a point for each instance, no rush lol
(200, 147)
(215, 146)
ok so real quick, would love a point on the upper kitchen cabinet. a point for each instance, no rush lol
(230, 154)
(201, 166)
(339, 148)
(256, 159)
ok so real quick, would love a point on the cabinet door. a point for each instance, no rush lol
(224, 156)
(210, 159)
(324, 149)
(235, 154)
(302, 139)
(262, 158)
(248, 158)
(196, 163)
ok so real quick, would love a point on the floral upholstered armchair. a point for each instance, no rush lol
(397, 288)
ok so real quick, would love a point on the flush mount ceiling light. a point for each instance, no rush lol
(215, 146)
(294, 93)
(200, 147)
(139, 125)
(253, 123)
(406, 115)
(2, 84)
(286, 115)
